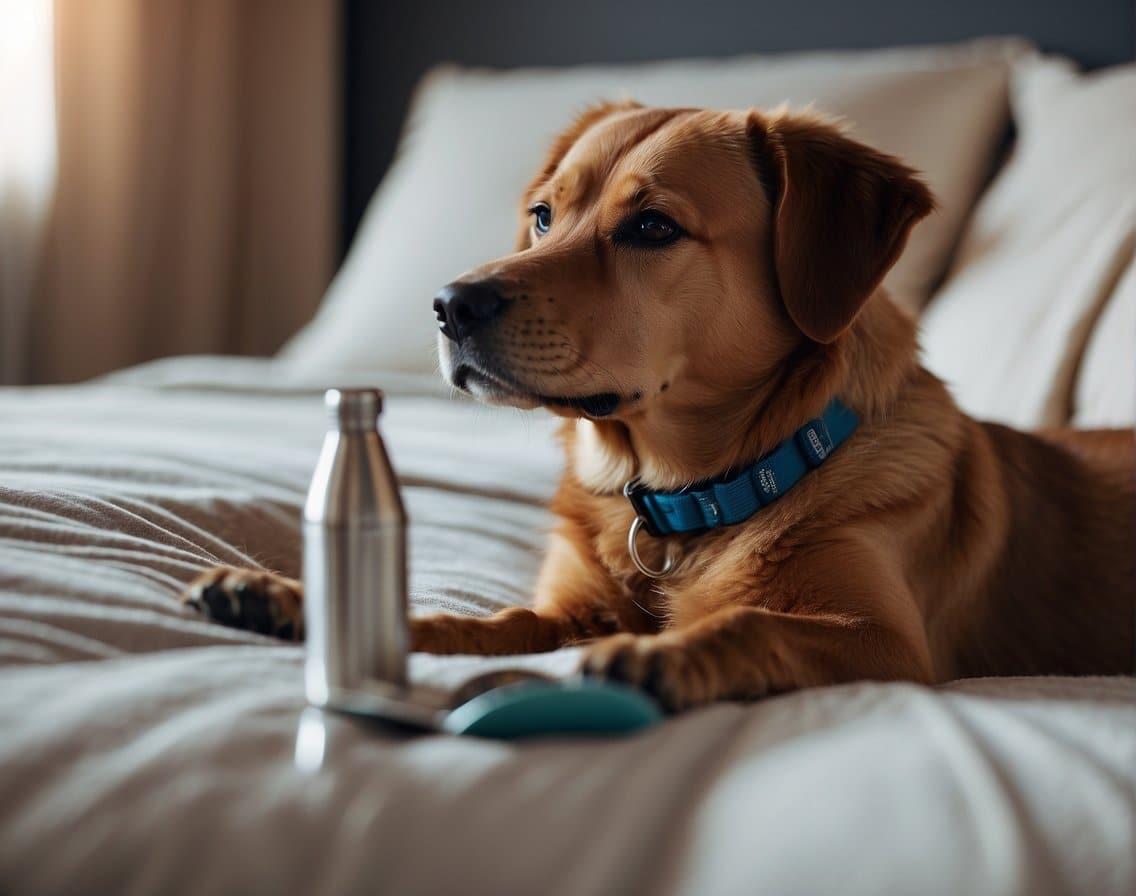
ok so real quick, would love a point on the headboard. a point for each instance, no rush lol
(388, 45)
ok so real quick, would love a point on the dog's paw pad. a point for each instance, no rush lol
(650, 663)
(219, 605)
(249, 599)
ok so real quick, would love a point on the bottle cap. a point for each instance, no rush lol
(353, 409)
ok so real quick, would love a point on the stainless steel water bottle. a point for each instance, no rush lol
(355, 611)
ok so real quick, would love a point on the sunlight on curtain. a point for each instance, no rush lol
(27, 166)
(195, 188)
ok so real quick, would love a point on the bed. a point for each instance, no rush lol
(144, 750)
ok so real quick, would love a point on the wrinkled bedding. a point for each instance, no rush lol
(143, 750)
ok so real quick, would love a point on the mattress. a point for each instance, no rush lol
(144, 750)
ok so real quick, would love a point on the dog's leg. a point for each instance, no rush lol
(747, 652)
(250, 599)
(271, 604)
(576, 601)
(843, 632)
(512, 631)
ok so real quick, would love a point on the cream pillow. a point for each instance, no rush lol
(1045, 251)
(1106, 382)
(476, 137)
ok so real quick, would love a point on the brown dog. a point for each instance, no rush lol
(691, 288)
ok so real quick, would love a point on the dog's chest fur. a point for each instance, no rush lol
(750, 551)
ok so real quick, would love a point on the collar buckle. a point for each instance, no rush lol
(636, 494)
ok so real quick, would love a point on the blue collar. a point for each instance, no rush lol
(728, 499)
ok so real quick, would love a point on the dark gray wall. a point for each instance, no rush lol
(390, 44)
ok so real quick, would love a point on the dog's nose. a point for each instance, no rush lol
(464, 308)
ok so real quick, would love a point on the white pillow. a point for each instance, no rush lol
(1045, 251)
(1106, 383)
(476, 137)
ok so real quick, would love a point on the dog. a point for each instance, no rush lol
(764, 490)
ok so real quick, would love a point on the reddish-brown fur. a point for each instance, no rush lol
(929, 546)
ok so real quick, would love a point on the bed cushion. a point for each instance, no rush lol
(1049, 244)
(475, 137)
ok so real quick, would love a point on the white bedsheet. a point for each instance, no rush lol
(145, 751)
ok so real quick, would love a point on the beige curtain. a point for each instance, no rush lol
(195, 207)
(27, 168)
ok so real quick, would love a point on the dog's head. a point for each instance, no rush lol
(676, 256)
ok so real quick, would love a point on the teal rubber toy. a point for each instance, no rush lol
(535, 708)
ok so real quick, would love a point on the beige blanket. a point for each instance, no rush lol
(143, 750)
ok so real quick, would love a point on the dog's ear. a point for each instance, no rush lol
(841, 216)
(559, 149)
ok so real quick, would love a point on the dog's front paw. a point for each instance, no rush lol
(661, 665)
(249, 599)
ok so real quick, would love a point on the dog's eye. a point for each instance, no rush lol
(654, 227)
(649, 228)
(542, 216)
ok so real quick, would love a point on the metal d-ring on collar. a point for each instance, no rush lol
(636, 524)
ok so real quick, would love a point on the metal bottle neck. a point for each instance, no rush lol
(353, 410)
